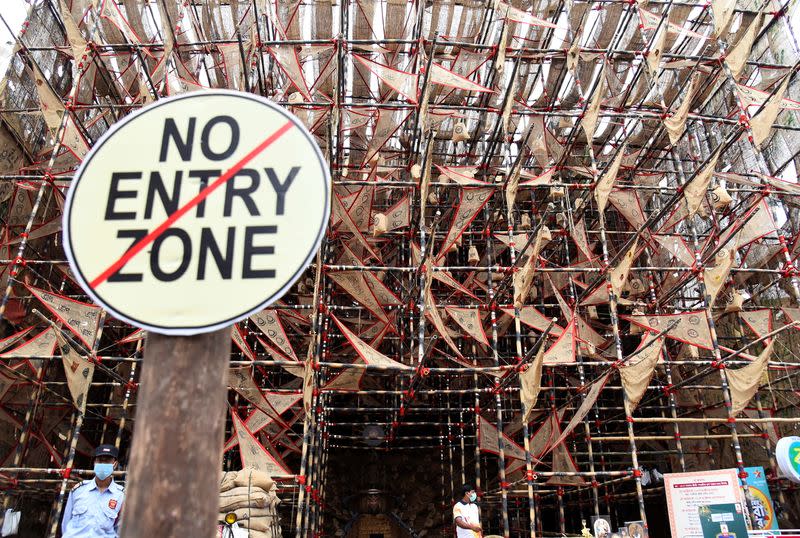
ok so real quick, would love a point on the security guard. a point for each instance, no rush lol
(94, 506)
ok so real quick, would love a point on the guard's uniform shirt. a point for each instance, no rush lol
(91, 513)
(469, 513)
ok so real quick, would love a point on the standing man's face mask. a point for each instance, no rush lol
(103, 470)
(472, 496)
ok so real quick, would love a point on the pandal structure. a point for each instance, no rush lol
(573, 222)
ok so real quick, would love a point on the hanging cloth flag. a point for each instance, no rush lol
(564, 463)
(760, 223)
(744, 382)
(442, 276)
(650, 21)
(574, 52)
(367, 353)
(677, 247)
(340, 212)
(471, 201)
(676, 123)
(599, 295)
(399, 215)
(566, 311)
(310, 384)
(293, 367)
(79, 372)
(270, 324)
(109, 10)
(604, 185)
(563, 350)
(489, 441)
(433, 314)
(289, 62)
(759, 321)
(761, 123)
(41, 345)
(628, 203)
(258, 420)
(530, 381)
(353, 282)
(382, 293)
(537, 142)
(512, 186)
(403, 83)
(723, 11)
(637, 372)
(76, 41)
(444, 77)
(589, 340)
(752, 97)
(509, 108)
(791, 314)
(540, 440)
(386, 125)
(73, 140)
(691, 328)
(512, 13)
(589, 121)
(241, 381)
(9, 341)
(50, 104)
(583, 410)
(581, 240)
(736, 58)
(534, 319)
(695, 190)
(8, 378)
(253, 453)
(463, 175)
(619, 274)
(533, 180)
(232, 60)
(80, 318)
(348, 380)
(469, 319)
(715, 277)
(656, 51)
(523, 279)
(241, 343)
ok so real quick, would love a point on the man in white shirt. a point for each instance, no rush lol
(465, 514)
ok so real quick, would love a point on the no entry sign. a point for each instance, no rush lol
(197, 211)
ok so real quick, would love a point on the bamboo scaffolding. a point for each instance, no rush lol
(434, 399)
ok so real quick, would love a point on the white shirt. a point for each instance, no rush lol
(469, 514)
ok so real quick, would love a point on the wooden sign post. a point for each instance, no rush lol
(173, 485)
(186, 217)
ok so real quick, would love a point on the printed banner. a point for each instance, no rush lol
(687, 492)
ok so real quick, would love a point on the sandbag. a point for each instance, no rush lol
(242, 497)
(244, 478)
(254, 478)
(247, 513)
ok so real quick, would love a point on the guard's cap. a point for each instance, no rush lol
(106, 450)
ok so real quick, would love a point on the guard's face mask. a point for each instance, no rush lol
(473, 497)
(103, 470)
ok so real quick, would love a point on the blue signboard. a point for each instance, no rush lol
(763, 514)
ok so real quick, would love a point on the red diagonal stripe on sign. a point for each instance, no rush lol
(191, 204)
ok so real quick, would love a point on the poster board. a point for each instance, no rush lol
(723, 521)
(763, 511)
(687, 492)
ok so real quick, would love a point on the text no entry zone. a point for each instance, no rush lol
(197, 211)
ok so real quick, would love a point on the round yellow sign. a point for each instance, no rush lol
(197, 211)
